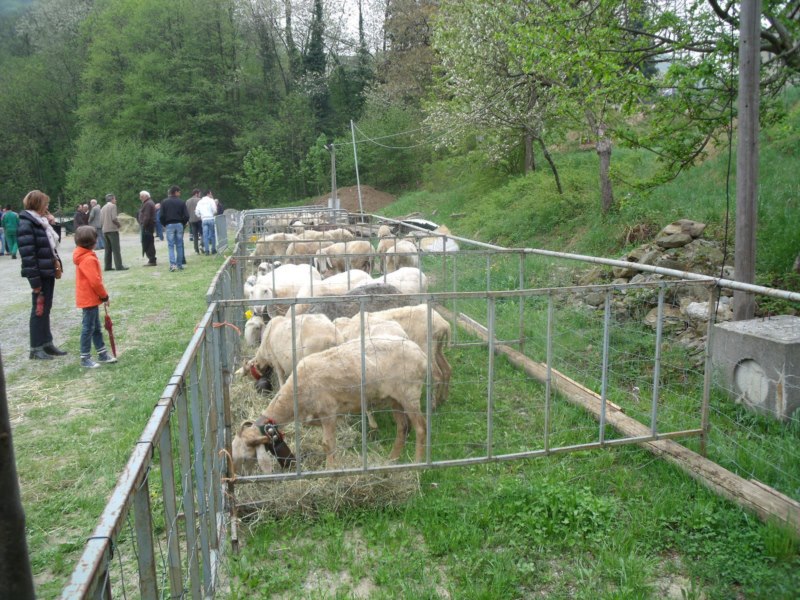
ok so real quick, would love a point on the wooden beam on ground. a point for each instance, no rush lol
(766, 502)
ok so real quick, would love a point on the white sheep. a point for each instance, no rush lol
(274, 244)
(336, 285)
(302, 248)
(408, 280)
(253, 329)
(414, 321)
(402, 254)
(328, 385)
(338, 235)
(283, 282)
(331, 260)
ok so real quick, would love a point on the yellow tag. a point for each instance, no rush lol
(248, 314)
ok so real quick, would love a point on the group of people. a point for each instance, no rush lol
(41, 265)
(174, 215)
(32, 234)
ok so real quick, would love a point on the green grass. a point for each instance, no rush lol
(77, 427)
(618, 523)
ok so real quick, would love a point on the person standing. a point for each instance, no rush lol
(207, 210)
(195, 224)
(10, 223)
(96, 222)
(41, 266)
(174, 218)
(110, 224)
(2, 235)
(147, 221)
(159, 226)
(90, 293)
(80, 218)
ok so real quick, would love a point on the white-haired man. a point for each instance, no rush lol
(147, 223)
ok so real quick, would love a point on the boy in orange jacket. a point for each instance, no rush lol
(89, 294)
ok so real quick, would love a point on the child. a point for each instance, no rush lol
(89, 294)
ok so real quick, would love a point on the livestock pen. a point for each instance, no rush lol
(527, 342)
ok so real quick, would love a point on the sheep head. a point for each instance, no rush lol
(255, 439)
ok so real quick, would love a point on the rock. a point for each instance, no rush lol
(650, 257)
(595, 299)
(687, 226)
(673, 320)
(623, 272)
(675, 240)
(668, 262)
(591, 277)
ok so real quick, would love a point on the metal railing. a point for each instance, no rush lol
(164, 529)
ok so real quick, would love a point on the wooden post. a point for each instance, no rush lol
(767, 503)
(747, 157)
(16, 580)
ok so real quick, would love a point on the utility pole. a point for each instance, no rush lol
(334, 204)
(16, 580)
(355, 158)
(747, 157)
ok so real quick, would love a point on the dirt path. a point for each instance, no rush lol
(65, 318)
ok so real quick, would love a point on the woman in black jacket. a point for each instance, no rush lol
(38, 249)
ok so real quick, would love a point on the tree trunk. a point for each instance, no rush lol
(552, 164)
(604, 153)
(530, 160)
(603, 147)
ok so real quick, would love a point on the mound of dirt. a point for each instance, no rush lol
(371, 199)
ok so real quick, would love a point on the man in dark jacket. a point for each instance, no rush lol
(147, 222)
(174, 218)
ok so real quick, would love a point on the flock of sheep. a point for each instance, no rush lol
(319, 354)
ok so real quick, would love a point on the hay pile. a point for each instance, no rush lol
(310, 497)
(127, 223)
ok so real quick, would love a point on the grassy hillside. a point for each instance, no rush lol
(475, 200)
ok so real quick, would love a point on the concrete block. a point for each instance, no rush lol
(758, 362)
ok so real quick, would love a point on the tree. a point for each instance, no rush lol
(406, 69)
(487, 87)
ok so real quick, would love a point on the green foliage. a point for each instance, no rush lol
(262, 174)
(123, 167)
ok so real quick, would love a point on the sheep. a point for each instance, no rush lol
(328, 384)
(283, 282)
(336, 285)
(304, 248)
(338, 235)
(328, 263)
(379, 297)
(274, 244)
(386, 239)
(408, 280)
(401, 254)
(414, 321)
(253, 329)
(248, 286)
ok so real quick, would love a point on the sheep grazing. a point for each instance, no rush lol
(380, 296)
(414, 321)
(336, 285)
(312, 333)
(330, 260)
(408, 280)
(328, 384)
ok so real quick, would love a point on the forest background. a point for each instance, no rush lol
(250, 97)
